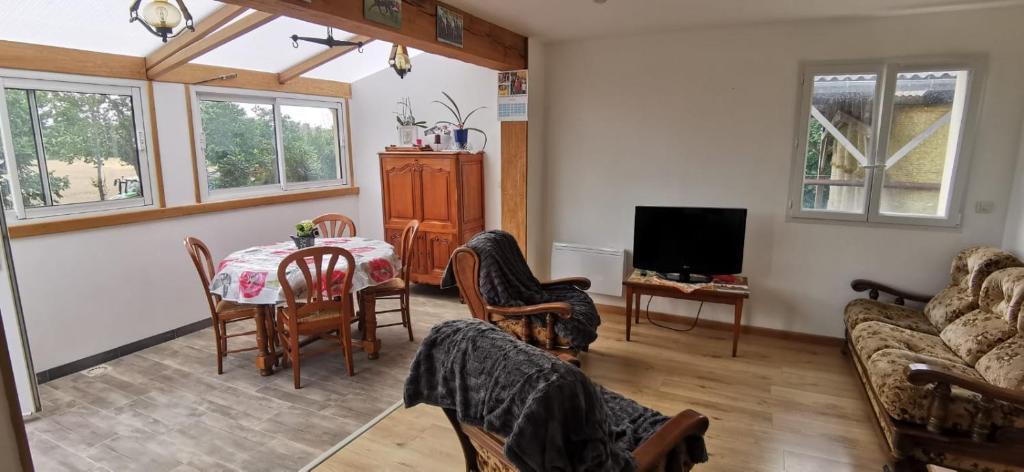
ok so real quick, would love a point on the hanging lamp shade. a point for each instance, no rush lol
(161, 14)
(161, 17)
(399, 60)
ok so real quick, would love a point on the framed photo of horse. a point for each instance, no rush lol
(449, 26)
(385, 12)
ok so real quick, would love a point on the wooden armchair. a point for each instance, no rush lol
(484, 452)
(517, 321)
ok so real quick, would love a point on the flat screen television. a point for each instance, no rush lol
(688, 240)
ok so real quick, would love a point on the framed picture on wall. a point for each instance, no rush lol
(385, 12)
(449, 26)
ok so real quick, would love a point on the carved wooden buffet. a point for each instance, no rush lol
(445, 191)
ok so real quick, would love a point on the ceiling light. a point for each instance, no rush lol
(160, 17)
(399, 60)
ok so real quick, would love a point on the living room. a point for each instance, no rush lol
(879, 141)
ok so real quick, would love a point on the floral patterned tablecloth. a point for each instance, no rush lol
(250, 275)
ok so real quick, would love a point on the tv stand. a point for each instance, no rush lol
(679, 277)
(640, 283)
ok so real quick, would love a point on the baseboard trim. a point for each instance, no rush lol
(121, 351)
(724, 326)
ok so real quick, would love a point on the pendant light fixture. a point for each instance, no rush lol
(160, 17)
(399, 60)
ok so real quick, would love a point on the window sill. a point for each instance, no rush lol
(63, 225)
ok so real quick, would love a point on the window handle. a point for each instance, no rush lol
(873, 166)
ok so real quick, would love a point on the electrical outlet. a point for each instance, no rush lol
(984, 206)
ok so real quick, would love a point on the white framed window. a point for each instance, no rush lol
(885, 141)
(71, 144)
(258, 143)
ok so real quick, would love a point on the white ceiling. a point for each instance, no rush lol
(102, 25)
(575, 19)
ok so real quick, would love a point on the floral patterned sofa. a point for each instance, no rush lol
(947, 382)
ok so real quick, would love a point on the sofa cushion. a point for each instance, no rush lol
(971, 267)
(864, 309)
(1003, 294)
(904, 401)
(949, 304)
(975, 334)
(1004, 365)
(874, 336)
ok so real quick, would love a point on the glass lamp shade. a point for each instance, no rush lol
(399, 60)
(161, 14)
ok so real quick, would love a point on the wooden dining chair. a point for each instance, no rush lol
(322, 310)
(222, 312)
(333, 225)
(398, 287)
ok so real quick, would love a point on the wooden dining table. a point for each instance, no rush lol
(249, 277)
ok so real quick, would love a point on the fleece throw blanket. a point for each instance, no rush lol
(553, 418)
(506, 281)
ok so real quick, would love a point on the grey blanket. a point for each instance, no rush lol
(506, 281)
(550, 414)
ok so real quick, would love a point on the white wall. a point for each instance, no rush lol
(86, 292)
(373, 125)
(1014, 237)
(707, 117)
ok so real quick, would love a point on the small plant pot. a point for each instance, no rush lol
(302, 242)
(407, 135)
(461, 138)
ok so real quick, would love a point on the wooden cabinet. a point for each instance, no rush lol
(445, 191)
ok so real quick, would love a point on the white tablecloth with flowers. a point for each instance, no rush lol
(250, 275)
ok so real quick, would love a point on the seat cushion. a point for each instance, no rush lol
(540, 333)
(976, 333)
(874, 336)
(1004, 365)
(907, 402)
(950, 304)
(864, 309)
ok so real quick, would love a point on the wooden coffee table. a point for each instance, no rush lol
(638, 284)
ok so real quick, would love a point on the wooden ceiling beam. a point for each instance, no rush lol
(211, 23)
(321, 58)
(484, 43)
(212, 41)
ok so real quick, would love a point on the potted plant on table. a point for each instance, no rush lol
(305, 234)
(461, 131)
(408, 127)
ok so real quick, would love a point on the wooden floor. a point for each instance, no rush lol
(782, 405)
(166, 409)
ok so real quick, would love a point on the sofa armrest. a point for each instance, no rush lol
(944, 380)
(860, 285)
(651, 452)
(581, 283)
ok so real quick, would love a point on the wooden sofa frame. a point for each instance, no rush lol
(909, 443)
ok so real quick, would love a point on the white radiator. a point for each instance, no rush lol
(604, 267)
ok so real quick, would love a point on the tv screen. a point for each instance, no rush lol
(686, 240)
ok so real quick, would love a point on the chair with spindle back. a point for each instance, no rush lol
(322, 310)
(333, 225)
(398, 287)
(222, 312)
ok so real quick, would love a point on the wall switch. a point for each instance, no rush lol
(984, 206)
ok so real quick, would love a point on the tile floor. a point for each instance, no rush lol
(166, 409)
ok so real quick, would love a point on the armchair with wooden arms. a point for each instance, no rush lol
(485, 452)
(517, 321)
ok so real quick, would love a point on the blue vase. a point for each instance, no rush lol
(461, 138)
